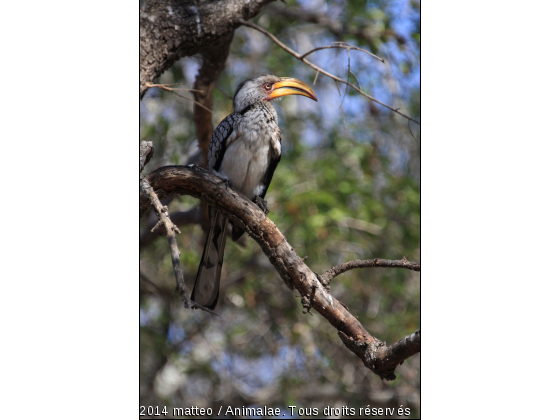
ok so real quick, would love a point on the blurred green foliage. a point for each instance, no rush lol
(346, 188)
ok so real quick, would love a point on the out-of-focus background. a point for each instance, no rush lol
(347, 188)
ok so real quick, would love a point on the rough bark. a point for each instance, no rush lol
(171, 29)
(146, 153)
(200, 183)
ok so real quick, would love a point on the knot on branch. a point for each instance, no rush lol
(367, 351)
(324, 280)
(307, 302)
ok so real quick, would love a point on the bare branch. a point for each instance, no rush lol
(170, 228)
(342, 45)
(180, 218)
(376, 262)
(200, 183)
(167, 86)
(319, 69)
(357, 81)
(398, 352)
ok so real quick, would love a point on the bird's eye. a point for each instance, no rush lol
(267, 86)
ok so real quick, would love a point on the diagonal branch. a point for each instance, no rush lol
(161, 211)
(170, 228)
(200, 183)
(302, 58)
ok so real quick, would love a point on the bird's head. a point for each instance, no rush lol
(266, 88)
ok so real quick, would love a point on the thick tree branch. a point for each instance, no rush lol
(376, 262)
(200, 183)
(172, 29)
(320, 70)
(146, 153)
(398, 352)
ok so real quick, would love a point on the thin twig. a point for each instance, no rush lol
(346, 47)
(164, 85)
(316, 76)
(376, 262)
(173, 90)
(223, 92)
(343, 122)
(409, 129)
(345, 93)
(319, 69)
(356, 77)
(347, 80)
(338, 88)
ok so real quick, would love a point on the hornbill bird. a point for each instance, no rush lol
(244, 150)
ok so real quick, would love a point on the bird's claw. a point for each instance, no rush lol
(263, 205)
(227, 182)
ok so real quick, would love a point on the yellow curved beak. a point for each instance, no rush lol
(290, 86)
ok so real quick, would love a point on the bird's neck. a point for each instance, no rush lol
(261, 107)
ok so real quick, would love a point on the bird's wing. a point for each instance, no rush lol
(273, 160)
(222, 137)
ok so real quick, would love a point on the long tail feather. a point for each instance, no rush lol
(207, 284)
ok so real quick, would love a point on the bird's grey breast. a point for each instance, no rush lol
(248, 157)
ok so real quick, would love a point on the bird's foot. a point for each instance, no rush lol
(263, 205)
(228, 183)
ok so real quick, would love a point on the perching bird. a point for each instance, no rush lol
(244, 149)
